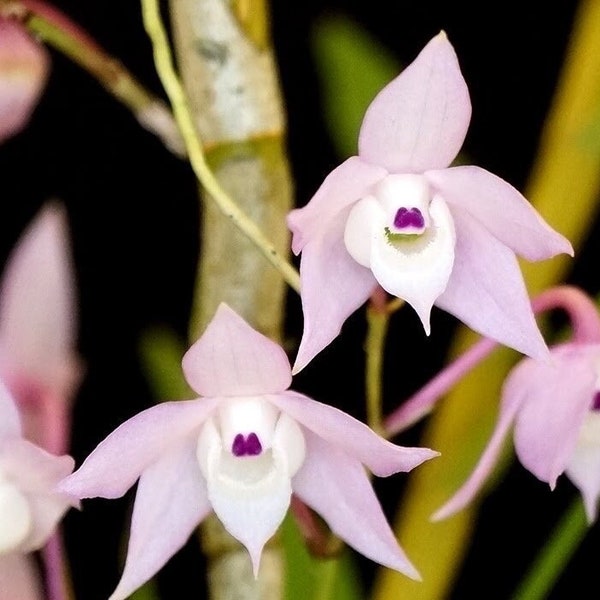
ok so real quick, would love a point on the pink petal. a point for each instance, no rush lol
(333, 285)
(19, 579)
(24, 66)
(48, 510)
(170, 502)
(37, 304)
(486, 289)
(10, 424)
(351, 436)
(34, 469)
(487, 461)
(558, 396)
(36, 474)
(344, 186)
(112, 468)
(337, 487)
(501, 209)
(419, 120)
(232, 359)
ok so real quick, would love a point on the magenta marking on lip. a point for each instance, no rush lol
(249, 446)
(406, 217)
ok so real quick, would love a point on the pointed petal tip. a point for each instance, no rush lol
(302, 360)
(432, 453)
(458, 502)
(68, 486)
(426, 321)
(403, 565)
(437, 516)
(591, 510)
(255, 556)
(429, 103)
(538, 351)
(569, 248)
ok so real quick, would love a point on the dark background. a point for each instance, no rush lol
(133, 214)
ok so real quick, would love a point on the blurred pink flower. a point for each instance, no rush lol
(38, 319)
(242, 450)
(24, 66)
(397, 216)
(30, 506)
(555, 409)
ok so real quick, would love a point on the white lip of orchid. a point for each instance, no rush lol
(248, 453)
(377, 214)
(16, 519)
(247, 441)
(589, 434)
(405, 234)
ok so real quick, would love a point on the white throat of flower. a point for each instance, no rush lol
(248, 452)
(583, 468)
(15, 516)
(405, 234)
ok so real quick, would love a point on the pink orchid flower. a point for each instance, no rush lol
(24, 66)
(554, 406)
(38, 319)
(30, 507)
(396, 215)
(242, 450)
(555, 409)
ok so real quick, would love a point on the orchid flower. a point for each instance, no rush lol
(397, 216)
(24, 66)
(554, 407)
(38, 361)
(30, 507)
(241, 450)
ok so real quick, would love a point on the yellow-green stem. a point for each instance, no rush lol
(377, 327)
(164, 66)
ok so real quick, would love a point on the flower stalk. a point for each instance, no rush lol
(58, 31)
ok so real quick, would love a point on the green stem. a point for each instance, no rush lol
(327, 576)
(377, 327)
(164, 66)
(555, 555)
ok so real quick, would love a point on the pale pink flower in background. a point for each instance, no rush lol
(24, 67)
(397, 216)
(554, 407)
(241, 450)
(38, 319)
(30, 506)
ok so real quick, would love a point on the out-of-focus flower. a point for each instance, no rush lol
(24, 67)
(38, 328)
(555, 409)
(30, 506)
(242, 450)
(397, 216)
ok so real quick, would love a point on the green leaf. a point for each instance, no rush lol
(555, 554)
(310, 578)
(352, 67)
